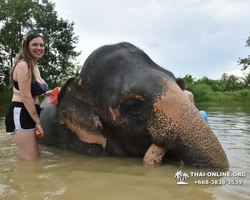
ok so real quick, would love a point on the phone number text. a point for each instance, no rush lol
(218, 182)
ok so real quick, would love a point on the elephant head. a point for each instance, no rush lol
(126, 103)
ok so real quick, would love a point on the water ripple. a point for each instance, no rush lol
(62, 174)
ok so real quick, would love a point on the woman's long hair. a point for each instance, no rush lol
(24, 55)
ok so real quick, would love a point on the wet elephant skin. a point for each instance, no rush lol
(122, 103)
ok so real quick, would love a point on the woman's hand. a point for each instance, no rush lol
(49, 92)
(39, 131)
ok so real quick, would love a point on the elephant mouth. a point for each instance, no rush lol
(156, 156)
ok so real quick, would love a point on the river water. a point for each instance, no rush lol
(63, 175)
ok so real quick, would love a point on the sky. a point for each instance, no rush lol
(195, 37)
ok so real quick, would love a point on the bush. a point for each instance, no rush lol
(201, 92)
(242, 95)
(5, 97)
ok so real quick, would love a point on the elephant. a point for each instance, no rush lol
(123, 104)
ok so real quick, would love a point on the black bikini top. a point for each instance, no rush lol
(36, 88)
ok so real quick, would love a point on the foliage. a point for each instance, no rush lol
(17, 18)
(202, 92)
(189, 79)
(214, 84)
(230, 83)
(245, 61)
(5, 97)
(242, 95)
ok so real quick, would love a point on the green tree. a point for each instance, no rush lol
(189, 79)
(14, 20)
(230, 83)
(245, 61)
(214, 84)
(202, 92)
(59, 42)
(233, 83)
(17, 18)
(246, 81)
(223, 82)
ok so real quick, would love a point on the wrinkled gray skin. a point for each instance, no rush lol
(121, 104)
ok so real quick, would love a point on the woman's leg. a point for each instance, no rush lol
(26, 144)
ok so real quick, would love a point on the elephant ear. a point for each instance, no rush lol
(82, 89)
(78, 115)
(64, 87)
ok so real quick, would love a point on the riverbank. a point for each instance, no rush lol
(241, 96)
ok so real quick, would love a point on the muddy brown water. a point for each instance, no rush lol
(64, 175)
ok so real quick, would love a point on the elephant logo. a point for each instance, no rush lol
(181, 176)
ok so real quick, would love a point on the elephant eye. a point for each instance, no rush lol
(135, 107)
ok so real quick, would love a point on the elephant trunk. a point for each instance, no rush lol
(198, 146)
(186, 132)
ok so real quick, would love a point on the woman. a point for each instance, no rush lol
(22, 120)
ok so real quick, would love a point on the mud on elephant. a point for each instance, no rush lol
(124, 104)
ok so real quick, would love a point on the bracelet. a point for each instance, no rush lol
(38, 122)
